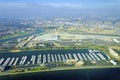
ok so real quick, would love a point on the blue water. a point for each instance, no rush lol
(37, 52)
(43, 53)
(83, 74)
(37, 31)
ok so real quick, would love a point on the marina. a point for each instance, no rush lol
(42, 57)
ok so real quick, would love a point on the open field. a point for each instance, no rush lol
(14, 35)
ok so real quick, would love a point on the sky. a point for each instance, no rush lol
(38, 8)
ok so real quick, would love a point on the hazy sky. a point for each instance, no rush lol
(59, 7)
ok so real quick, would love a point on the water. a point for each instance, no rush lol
(83, 74)
(37, 31)
(46, 56)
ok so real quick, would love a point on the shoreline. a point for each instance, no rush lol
(19, 50)
(62, 69)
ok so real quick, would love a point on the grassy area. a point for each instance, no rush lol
(93, 30)
(14, 51)
(14, 35)
(58, 69)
